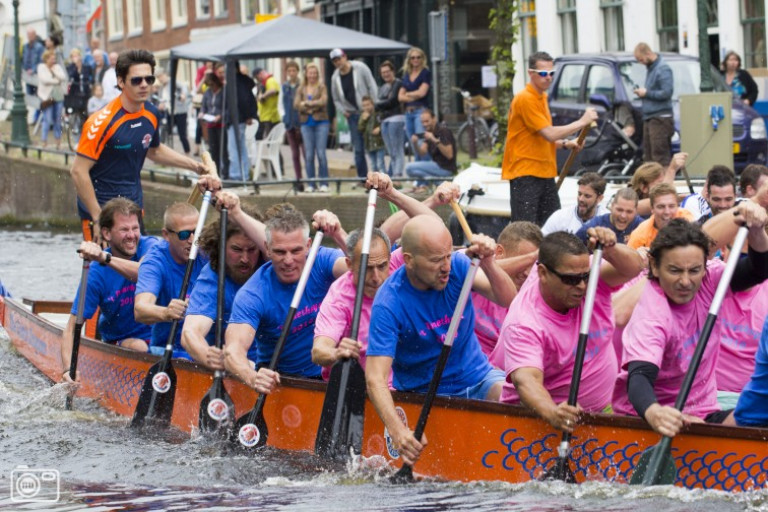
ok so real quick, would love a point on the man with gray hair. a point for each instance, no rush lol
(622, 218)
(261, 305)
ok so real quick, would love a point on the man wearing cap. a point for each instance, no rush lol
(351, 81)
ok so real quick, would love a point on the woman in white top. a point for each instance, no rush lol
(52, 81)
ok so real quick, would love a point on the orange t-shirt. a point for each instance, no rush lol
(526, 152)
(646, 232)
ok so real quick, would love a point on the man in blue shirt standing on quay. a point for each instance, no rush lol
(658, 118)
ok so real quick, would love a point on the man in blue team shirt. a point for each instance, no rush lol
(622, 218)
(261, 305)
(117, 138)
(245, 253)
(410, 317)
(111, 283)
(161, 274)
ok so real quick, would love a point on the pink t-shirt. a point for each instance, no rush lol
(488, 319)
(334, 319)
(741, 322)
(666, 334)
(534, 335)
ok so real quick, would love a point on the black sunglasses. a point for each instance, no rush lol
(570, 279)
(183, 235)
(136, 80)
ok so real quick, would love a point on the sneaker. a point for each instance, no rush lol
(309, 189)
(323, 188)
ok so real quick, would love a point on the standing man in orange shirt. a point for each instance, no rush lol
(529, 155)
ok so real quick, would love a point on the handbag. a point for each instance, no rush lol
(57, 93)
(197, 100)
(47, 103)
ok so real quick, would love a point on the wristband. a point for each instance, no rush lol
(107, 259)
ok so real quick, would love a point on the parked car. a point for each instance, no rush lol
(616, 75)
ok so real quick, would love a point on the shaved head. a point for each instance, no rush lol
(418, 230)
(427, 248)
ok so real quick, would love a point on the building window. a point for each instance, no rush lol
(666, 23)
(157, 14)
(527, 15)
(269, 7)
(178, 12)
(220, 8)
(134, 17)
(566, 10)
(306, 4)
(712, 16)
(203, 8)
(613, 25)
(753, 20)
(115, 18)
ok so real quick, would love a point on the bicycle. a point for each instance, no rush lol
(72, 121)
(478, 110)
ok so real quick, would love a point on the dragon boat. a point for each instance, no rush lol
(469, 440)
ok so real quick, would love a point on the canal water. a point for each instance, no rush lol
(87, 459)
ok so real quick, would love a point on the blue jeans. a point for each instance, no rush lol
(377, 160)
(358, 145)
(425, 170)
(392, 132)
(413, 126)
(237, 172)
(52, 117)
(315, 143)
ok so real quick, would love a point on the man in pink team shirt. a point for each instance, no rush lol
(541, 330)
(662, 334)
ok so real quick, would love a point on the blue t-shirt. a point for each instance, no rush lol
(752, 408)
(424, 77)
(410, 325)
(160, 275)
(263, 303)
(604, 221)
(117, 142)
(113, 295)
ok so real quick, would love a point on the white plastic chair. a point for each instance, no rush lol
(250, 142)
(269, 150)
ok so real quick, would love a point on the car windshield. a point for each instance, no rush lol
(687, 76)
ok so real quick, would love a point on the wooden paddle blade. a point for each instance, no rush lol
(666, 475)
(155, 404)
(217, 411)
(250, 431)
(341, 422)
(403, 476)
(561, 470)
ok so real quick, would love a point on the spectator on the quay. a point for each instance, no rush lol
(370, 127)
(100, 65)
(80, 80)
(437, 142)
(88, 58)
(181, 107)
(197, 101)
(109, 80)
(417, 79)
(350, 82)
(267, 99)
(52, 80)
(739, 80)
(239, 164)
(392, 120)
(212, 114)
(312, 104)
(658, 120)
(291, 116)
(97, 100)
(31, 56)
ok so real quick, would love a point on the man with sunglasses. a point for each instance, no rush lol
(161, 274)
(117, 139)
(529, 153)
(541, 330)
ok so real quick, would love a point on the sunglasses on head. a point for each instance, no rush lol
(183, 235)
(136, 80)
(570, 279)
(543, 74)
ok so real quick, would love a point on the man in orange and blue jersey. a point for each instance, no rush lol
(116, 139)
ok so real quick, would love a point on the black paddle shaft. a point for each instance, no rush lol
(224, 214)
(78, 327)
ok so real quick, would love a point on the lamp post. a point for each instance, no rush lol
(19, 130)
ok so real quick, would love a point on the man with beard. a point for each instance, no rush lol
(112, 283)
(161, 274)
(591, 190)
(622, 219)
(663, 209)
(719, 194)
(245, 253)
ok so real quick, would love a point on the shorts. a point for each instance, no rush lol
(480, 390)
(718, 416)
(727, 399)
(177, 354)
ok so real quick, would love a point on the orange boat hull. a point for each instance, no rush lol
(468, 440)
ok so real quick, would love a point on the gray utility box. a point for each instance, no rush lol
(705, 145)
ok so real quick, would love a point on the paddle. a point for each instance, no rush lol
(78, 328)
(561, 470)
(687, 179)
(571, 157)
(405, 474)
(159, 389)
(462, 220)
(211, 167)
(341, 421)
(251, 428)
(656, 465)
(217, 410)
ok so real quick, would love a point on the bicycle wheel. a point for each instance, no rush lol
(482, 138)
(74, 128)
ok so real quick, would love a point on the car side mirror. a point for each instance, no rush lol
(601, 100)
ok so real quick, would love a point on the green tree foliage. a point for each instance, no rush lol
(506, 28)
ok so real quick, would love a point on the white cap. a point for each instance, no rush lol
(336, 53)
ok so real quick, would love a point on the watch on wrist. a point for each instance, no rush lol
(107, 259)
